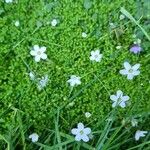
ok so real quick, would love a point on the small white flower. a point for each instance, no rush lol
(84, 35)
(130, 71)
(32, 76)
(96, 56)
(8, 1)
(119, 99)
(121, 17)
(54, 22)
(139, 134)
(134, 122)
(118, 47)
(38, 53)
(74, 80)
(81, 133)
(17, 23)
(87, 115)
(43, 82)
(34, 137)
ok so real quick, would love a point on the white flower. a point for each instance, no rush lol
(8, 1)
(54, 22)
(34, 137)
(74, 80)
(96, 56)
(43, 82)
(38, 53)
(81, 133)
(32, 76)
(84, 35)
(139, 134)
(87, 114)
(17, 23)
(118, 47)
(130, 71)
(121, 17)
(134, 122)
(119, 99)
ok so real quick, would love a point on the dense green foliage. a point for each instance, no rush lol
(68, 54)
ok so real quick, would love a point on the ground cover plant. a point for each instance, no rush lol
(75, 75)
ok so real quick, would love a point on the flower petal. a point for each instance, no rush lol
(114, 98)
(97, 52)
(136, 66)
(78, 137)
(125, 98)
(85, 138)
(37, 58)
(44, 56)
(122, 104)
(130, 76)
(87, 130)
(119, 93)
(127, 65)
(123, 72)
(135, 73)
(43, 49)
(114, 104)
(80, 126)
(33, 53)
(74, 131)
(36, 47)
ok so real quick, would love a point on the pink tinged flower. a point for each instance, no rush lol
(96, 56)
(81, 133)
(130, 71)
(38, 53)
(140, 134)
(74, 80)
(119, 99)
(136, 49)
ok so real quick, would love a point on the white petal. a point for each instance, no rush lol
(44, 56)
(135, 73)
(37, 58)
(97, 52)
(36, 47)
(127, 65)
(119, 94)
(98, 59)
(92, 58)
(87, 130)
(136, 66)
(125, 98)
(137, 137)
(114, 104)
(43, 49)
(123, 104)
(80, 126)
(78, 137)
(85, 138)
(130, 76)
(123, 72)
(114, 98)
(74, 131)
(78, 82)
(92, 53)
(33, 53)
